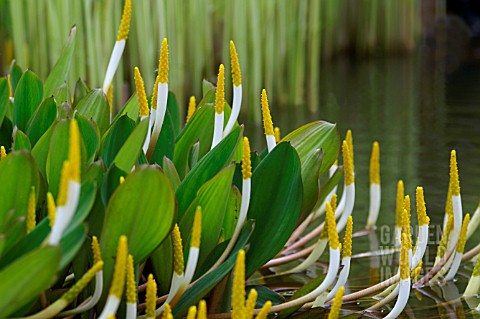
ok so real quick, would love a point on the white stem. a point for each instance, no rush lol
(403, 294)
(113, 64)
(93, 301)
(147, 138)
(313, 257)
(341, 204)
(349, 202)
(375, 197)
(110, 307)
(457, 222)
(271, 143)
(190, 270)
(131, 312)
(162, 97)
(177, 281)
(422, 241)
(454, 268)
(474, 222)
(237, 102)
(441, 273)
(65, 213)
(393, 293)
(217, 130)
(398, 236)
(342, 278)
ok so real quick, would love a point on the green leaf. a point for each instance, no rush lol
(170, 170)
(6, 134)
(71, 242)
(16, 73)
(326, 188)
(26, 278)
(59, 73)
(90, 134)
(206, 169)
(115, 138)
(143, 209)
(131, 149)
(213, 198)
(3, 98)
(19, 173)
(81, 90)
(172, 108)
(202, 287)
(88, 192)
(232, 212)
(310, 141)
(275, 204)
(40, 151)
(42, 119)
(130, 109)
(265, 294)
(162, 265)
(21, 141)
(94, 106)
(111, 181)
(27, 98)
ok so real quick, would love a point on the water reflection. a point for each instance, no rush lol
(418, 113)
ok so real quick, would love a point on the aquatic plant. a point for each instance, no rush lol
(125, 199)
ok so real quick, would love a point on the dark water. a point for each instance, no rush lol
(418, 112)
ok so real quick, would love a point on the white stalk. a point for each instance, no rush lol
(422, 241)
(65, 213)
(403, 294)
(375, 197)
(190, 270)
(177, 281)
(113, 64)
(473, 286)
(147, 138)
(162, 97)
(457, 221)
(342, 278)
(217, 130)
(349, 202)
(313, 257)
(237, 102)
(131, 312)
(341, 204)
(457, 260)
(392, 294)
(110, 308)
(93, 301)
(474, 222)
(398, 236)
(441, 273)
(271, 143)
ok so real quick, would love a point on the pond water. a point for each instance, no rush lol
(418, 112)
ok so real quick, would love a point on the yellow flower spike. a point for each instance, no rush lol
(122, 180)
(155, 92)
(333, 202)
(202, 310)
(276, 132)
(246, 162)
(238, 289)
(197, 228)
(74, 151)
(336, 304)
(236, 73)
(375, 164)
(151, 297)
(416, 272)
(399, 206)
(118, 282)
(31, 222)
(163, 63)
(462, 239)
(250, 304)
(442, 247)
(167, 311)
(267, 118)
(125, 23)
(404, 262)
(110, 97)
(406, 227)
(347, 240)
(192, 107)
(73, 292)
(111, 316)
(332, 228)
(347, 164)
(97, 254)
(264, 311)
(423, 219)
(192, 312)
(448, 203)
(9, 82)
(3, 153)
(454, 174)
(220, 91)
(131, 292)
(63, 188)
(349, 139)
(52, 210)
(178, 262)
(142, 96)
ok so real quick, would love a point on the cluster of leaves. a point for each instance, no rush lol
(183, 173)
